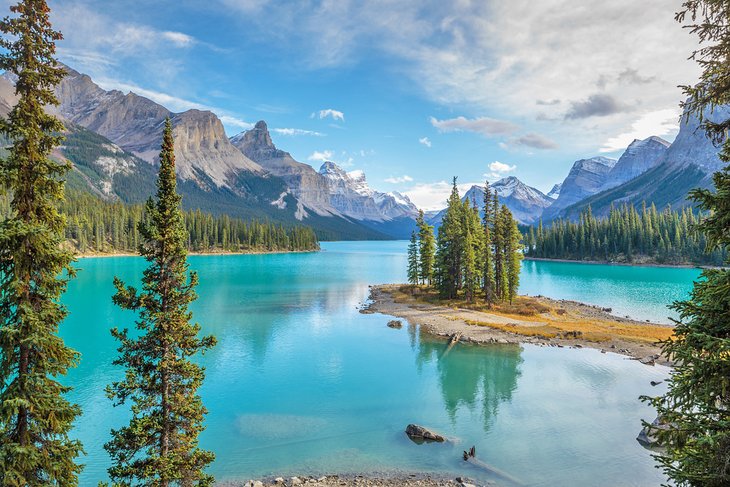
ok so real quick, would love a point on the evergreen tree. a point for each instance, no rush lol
(696, 408)
(512, 252)
(426, 249)
(160, 445)
(449, 247)
(413, 268)
(471, 251)
(35, 418)
(487, 260)
(500, 276)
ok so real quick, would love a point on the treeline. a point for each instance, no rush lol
(626, 235)
(472, 255)
(97, 226)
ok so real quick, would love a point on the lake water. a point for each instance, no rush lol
(300, 382)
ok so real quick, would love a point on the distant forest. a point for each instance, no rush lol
(627, 235)
(97, 226)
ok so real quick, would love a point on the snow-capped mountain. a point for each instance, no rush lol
(351, 195)
(639, 157)
(525, 202)
(555, 192)
(586, 178)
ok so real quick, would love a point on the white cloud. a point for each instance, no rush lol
(501, 168)
(483, 125)
(399, 179)
(321, 156)
(433, 196)
(660, 123)
(178, 38)
(425, 141)
(329, 112)
(291, 131)
(505, 57)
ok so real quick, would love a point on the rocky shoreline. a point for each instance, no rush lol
(369, 480)
(458, 324)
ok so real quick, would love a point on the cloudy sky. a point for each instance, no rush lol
(412, 92)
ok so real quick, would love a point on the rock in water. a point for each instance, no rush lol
(416, 432)
(648, 436)
(395, 324)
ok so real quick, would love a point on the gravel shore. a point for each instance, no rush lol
(448, 322)
(405, 480)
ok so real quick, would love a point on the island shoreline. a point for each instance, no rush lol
(457, 324)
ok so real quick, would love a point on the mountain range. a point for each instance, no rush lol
(113, 140)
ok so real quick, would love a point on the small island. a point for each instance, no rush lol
(537, 320)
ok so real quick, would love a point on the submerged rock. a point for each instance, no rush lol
(419, 433)
(648, 436)
(395, 324)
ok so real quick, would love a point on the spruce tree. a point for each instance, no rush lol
(470, 252)
(159, 446)
(696, 408)
(35, 417)
(413, 268)
(500, 278)
(512, 252)
(488, 249)
(426, 249)
(449, 247)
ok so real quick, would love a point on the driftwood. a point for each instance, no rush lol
(470, 456)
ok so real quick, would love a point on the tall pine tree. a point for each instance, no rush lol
(696, 407)
(159, 446)
(426, 249)
(450, 247)
(487, 260)
(35, 418)
(413, 268)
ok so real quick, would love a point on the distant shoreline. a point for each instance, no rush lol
(626, 264)
(257, 252)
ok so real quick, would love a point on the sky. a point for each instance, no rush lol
(412, 92)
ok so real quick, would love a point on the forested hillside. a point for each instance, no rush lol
(626, 235)
(98, 226)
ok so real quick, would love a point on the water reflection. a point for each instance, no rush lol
(468, 376)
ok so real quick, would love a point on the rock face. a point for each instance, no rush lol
(555, 192)
(202, 151)
(417, 432)
(306, 184)
(525, 202)
(648, 435)
(351, 196)
(639, 157)
(586, 178)
(688, 163)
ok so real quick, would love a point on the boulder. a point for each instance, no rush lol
(416, 433)
(395, 324)
(648, 436)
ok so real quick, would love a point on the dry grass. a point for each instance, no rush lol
(546, 321)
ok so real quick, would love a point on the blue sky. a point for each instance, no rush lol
(411, 92)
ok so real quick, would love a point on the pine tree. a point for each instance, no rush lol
(35, 418)
(449, 247)
(487, 260)
(470, 251)
(512, 252)
(426, 249)
(413, 268)
(160, 445)
(696, 407)
(500, 277)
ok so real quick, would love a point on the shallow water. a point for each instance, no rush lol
(301, 382)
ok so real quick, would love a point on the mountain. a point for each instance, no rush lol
(112, 140)
(586, 178)
(688, 163)
(639, 157)
(525, 202)
(555, 192)
(350, 194)
(331, 191)
(306, 184)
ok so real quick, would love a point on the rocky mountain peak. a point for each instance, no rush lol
(639, 157)
(256, 144)
(555, 192)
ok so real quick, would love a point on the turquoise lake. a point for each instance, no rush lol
(300, 382)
